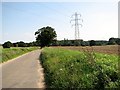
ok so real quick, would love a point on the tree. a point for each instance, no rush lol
(21, 44)
(45, 36)
(112, 41)
(15, 44)
(118, 41)
(82, 43)
(7, 44)
(92, 43)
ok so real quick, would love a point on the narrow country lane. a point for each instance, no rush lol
(23, 72)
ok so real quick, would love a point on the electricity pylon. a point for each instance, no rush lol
(77, 18)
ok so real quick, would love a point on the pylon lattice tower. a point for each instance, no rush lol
(77, 17)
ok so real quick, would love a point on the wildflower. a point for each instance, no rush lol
(60, 69)
(87, 75)
(71, 65)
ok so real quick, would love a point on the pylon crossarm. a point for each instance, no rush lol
(81, 19)
(72, 20)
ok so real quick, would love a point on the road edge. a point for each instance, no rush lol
(10, 60)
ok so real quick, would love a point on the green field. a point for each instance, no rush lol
(74, 69)
(10, 53)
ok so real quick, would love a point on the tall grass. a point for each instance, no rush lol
(74, 69)
(10, 53)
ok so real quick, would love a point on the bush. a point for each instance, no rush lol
(7, 44)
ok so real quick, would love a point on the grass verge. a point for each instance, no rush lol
(74, 69)
(10, 53)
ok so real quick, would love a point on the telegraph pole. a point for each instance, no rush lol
(77, 17)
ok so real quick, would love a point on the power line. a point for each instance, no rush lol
(77, 18)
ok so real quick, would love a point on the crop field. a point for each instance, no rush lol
(75, 69)
(10, 53)
(108, 49)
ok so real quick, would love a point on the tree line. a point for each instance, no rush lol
(46, 36)
(65, 42)
(9, 44)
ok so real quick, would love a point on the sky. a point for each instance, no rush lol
(20, 20)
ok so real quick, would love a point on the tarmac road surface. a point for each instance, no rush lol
(23, 72)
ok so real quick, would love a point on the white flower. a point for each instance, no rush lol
(60, 69)
(71, 65)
